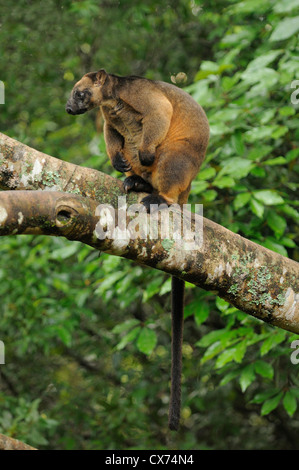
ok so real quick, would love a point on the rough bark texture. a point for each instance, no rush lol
(23, 168)
(8, 443)
(252, 278)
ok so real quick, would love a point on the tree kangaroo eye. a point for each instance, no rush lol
(80, 95)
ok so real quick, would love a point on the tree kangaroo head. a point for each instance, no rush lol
(90, 92)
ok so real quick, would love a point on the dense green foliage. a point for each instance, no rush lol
(88, 339)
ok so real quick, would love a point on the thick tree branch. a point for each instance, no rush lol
(8, 443)
(23, 168)
(252, 278)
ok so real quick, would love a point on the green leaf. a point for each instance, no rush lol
(211, 68)
(155, 285)
(290, 403)
(279, 132)
(227, 114)
(238, 144)
(109, 282)
(228, 377)
(264, 59)
(275, 161)
(259, 172)
(224, 182)
(128, 338)
(291, 212)
(228, 82)
(146, 341)
(210, 195)
(236, 167)
(240, 351)
(125, 326)
(65, 252)
(257, 153)
(284, 6)
(272, 245)
(264, 369)
(258, 134)
(295, 391)
(65, 335)
(268, 197)
(207, 173)
(210, 338)
(199, 186)
(247, 377)
(211, 352)
(270, 404)
(263, 396)
(219, 128)
(190, 308)
(265, 75)
(287, 111)
(292, 154)
(267, 116)
(285, 29)
(201, 312)
(207, 68)
(288, 242)
(166, 287)
(221, 304)
(276, 223)
(273, 341)
(241, 200)
(249, 6)
(227, 356)
(256, 207)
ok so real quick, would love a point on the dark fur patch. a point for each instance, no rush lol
(120, 163)
(136, 183)
(146, 158)
(153, 200)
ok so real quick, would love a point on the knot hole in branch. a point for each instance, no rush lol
(65, 215)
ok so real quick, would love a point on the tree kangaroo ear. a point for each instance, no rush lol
(100, 77)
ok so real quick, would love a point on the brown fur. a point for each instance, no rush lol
(157, 128)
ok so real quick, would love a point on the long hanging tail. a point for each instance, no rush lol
(177, 319)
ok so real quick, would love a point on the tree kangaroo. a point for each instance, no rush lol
(157, 135)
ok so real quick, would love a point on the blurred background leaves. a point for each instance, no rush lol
(88, 338)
